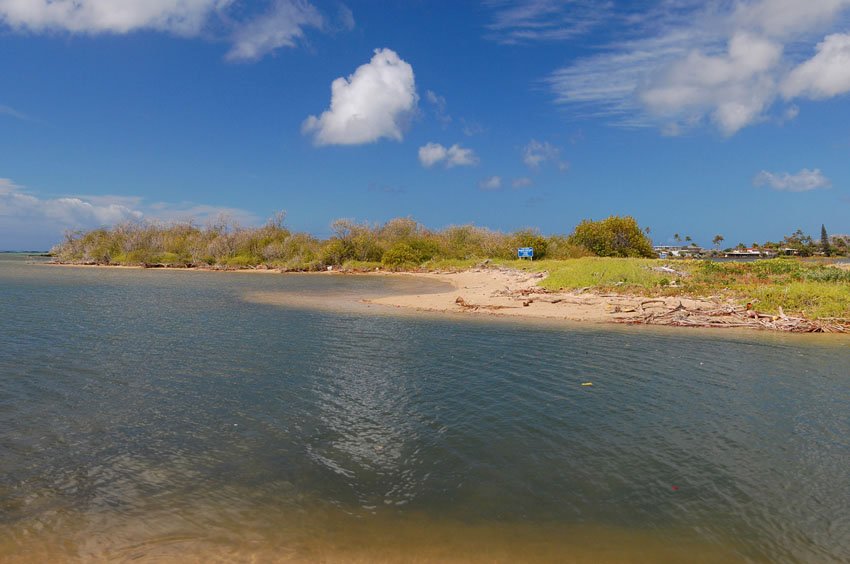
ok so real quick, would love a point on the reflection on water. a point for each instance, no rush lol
(160, 416)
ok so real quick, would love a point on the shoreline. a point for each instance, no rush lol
(513, 293)
(506, 292)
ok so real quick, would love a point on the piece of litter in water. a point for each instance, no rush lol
(674, 488)
(587, 383)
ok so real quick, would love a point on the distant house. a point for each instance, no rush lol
(750, 253)
(680, 251)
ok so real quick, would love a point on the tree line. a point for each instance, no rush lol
(398, 243)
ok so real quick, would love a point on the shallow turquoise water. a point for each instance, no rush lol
(153, 414)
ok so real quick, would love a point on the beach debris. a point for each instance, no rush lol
(616, 308)
(668, 270)
(734, 316)
(475, 307)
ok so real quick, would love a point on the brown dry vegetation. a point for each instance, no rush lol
(398, 243)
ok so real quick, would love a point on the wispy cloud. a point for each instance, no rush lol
(680, 64)
(535, 154)
(275, 24)
(386, 189)
(374, 102)
(527, 21)
(804, 181)
(522, 182)
(490, 184)
(346, 17)
(438, 104)
(471, 128)
(281, 26)
(12, 112)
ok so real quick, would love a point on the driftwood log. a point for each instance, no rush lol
(659, 312)
(732, 316)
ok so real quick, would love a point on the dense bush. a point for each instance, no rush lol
(531, 238)
(613, 237)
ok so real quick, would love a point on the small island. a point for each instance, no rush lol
(603, 271)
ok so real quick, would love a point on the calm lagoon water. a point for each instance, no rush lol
(157, 416)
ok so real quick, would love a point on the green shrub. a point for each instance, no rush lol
(240, 261)
(613, 237)
(530, 238)
(336, 252)
(401, 254)
(559, 247)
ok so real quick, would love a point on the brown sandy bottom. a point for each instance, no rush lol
(336, 536)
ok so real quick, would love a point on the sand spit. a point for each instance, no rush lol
(507, 292)
(501, 291)
(495, 290)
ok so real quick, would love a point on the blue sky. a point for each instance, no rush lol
(697, 118)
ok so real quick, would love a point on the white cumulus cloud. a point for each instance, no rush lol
(804, 181)
(373, 103)
(734, 88)
(678, 65)
(30, 221)
(281, 25)
(825, 75)
(70, 212)
(431, 153)
(434, 153)
(491, 183)
(184, 17)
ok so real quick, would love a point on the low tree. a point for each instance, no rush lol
(612, 237)
(839, 244)
(800, 242)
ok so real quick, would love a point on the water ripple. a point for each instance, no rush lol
(149, 414)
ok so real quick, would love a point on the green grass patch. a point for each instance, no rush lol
(811, 299)
(602, 274)
(798, 287)
(361, 265)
